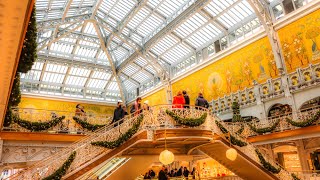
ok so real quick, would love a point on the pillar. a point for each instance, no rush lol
(303, 156)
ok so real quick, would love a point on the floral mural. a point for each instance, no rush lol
(300, 41)
(231, 73)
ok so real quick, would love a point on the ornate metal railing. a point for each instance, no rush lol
(301, 116)
(68, 125)
(272, 88)
(154, 118)
(249, 149)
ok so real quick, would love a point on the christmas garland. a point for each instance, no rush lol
(37, 126)
(236, 112)
(86, 125)
(294, 176)
(266, 164)
(63, 169)
(123, 138)
(233, 139)
(304, 123)
(266, 129)
(191, 122)
(240, 131)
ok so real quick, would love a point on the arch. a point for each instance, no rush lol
(305, 96)
(279, 109)
(310, 103)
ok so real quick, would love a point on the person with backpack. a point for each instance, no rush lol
(118, 114)
(201, 102)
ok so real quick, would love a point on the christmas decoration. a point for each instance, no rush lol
(29, 49)
(123, 138)
(86, 125)
(236, 112)
(305, 123)
(266, 164)
(37, 126)
(63, 169)
(191, 122)
(233, 139)
(266, 129)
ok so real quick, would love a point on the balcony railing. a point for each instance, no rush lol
(300, 116)
(273, 88)
(68, 125)
(155, 118)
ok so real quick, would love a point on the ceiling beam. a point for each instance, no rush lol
(73, 62)
(110, 59)
(53, 23)
(261, 9)
(66, 9)
(192, 9)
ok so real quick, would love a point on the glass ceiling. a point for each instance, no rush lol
(105, 49)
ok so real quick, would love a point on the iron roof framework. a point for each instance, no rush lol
(106, 49)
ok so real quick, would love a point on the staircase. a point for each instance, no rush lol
(88, 156)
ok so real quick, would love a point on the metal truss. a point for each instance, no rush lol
(262, 10)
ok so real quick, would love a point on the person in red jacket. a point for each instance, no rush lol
(178, 100)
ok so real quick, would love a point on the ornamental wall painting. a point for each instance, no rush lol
(231, 73)
(300, 42)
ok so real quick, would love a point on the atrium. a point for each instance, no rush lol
(160, 89)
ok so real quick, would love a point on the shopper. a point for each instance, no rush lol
(118, 113)
(186, 99)
(178, 100)
(201, 102)
(162, 175)
(185, 172)
(136, 107)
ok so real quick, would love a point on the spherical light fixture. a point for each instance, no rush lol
(166, 157)
(231, 154)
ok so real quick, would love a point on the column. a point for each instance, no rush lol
(303, 156)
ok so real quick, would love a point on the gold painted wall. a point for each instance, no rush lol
(300, 41)
(156, 98)
(57, 105)
(231, 73)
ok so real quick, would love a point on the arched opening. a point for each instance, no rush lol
(279, 110)
(313, 103)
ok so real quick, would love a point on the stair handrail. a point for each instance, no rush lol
(249, 149)
(64, 153)
(56, 160)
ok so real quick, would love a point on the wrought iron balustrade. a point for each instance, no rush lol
(154, 118)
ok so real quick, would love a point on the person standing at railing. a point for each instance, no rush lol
(136, 107)
(178, 100)
(118, 113)
(186, 99)
(80, 110)
(201, 102)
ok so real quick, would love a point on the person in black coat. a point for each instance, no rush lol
(179, 173)
(201, 101)
(118, 113)
(162, 175)
(186, 99)
(185, 172)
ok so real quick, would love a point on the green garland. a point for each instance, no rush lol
(191, 122)
(266, 129)
(240, 131)
(29, 49)
(123, 138)
(63, 169)
(233, 139)
(236, 112)
(37, 126)
(86, 125)
(294, 176)
(305, 123)
(14, 100)
(266, 164)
